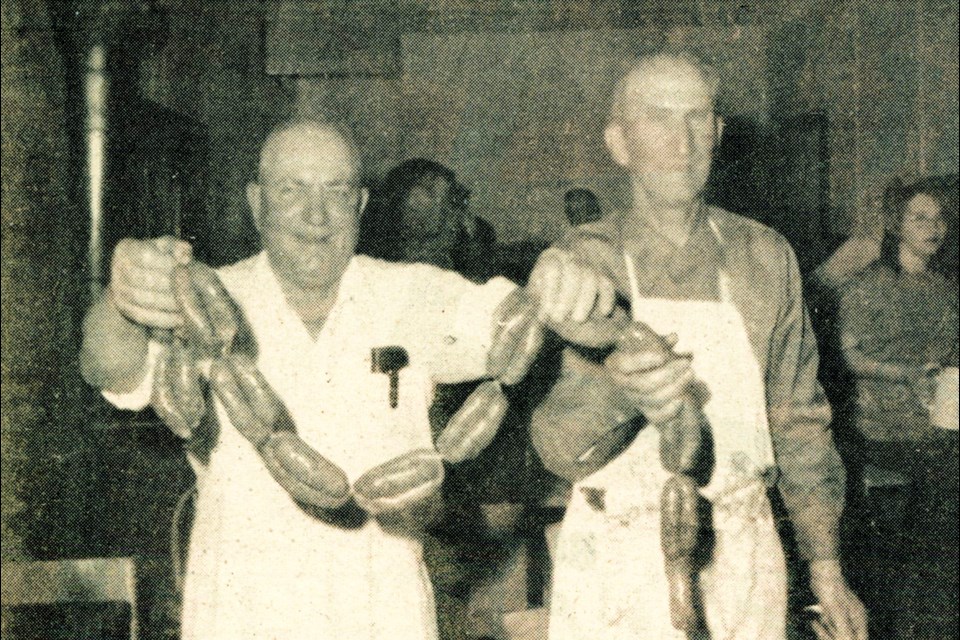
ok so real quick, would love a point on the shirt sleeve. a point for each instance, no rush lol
(812, 477)
(451, 320)
(581, 409)
(139, 398)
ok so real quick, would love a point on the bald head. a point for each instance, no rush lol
(677, 73)
(306, 203)
(308, 137)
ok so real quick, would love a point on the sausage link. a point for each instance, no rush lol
(305, 474)
(177, 395)
(679, 517)
(219, 306)
(683, 612)
(400, 483)
(198, 328)
(474, 426)
(681, 438)
(514, 317)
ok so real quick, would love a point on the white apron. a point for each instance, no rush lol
(609, 580)
(259, 568)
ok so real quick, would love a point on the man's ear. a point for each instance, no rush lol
(364, 198)
(616, 144)
(254, 195)
(719, 128)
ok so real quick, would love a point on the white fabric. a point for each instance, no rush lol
(138, 398)
(258, 566)
(609, 579)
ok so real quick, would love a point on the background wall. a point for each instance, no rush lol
(510, 93)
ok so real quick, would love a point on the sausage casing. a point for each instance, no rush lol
(474, 426)
(680, 583)
(400, 482)
(305, 474)
(177, 394)
(679, 516)
(517, 339)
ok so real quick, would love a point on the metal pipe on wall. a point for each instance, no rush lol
(96, 86)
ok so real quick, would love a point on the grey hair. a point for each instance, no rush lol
(325, 126)
(658, 62)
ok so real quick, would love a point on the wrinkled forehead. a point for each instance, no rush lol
(311, 152)
(674, 87)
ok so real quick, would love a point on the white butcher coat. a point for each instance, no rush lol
(258, 566)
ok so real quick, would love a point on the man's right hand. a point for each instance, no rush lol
(141, 280)
(654, 380)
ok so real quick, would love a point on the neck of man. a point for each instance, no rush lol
(912, 262)
(311, 304)
(673, 221)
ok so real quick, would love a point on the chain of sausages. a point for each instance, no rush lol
(681, 448)
(214, 329)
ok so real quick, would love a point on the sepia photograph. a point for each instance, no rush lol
(480, 320)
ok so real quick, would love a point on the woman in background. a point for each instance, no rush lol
(898, 321)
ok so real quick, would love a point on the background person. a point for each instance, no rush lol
(898, 324)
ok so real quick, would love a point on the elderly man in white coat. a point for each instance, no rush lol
(260, 566)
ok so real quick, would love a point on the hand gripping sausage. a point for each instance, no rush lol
(178, 396)
(681, 437)
(473, 427)
(400, 483)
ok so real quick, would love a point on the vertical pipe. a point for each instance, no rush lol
(95, 93)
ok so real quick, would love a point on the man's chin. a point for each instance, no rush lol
(673, 189)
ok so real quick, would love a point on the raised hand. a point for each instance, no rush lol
(141, 285)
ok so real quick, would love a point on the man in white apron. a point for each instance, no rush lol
(729, 290)
(259, 566)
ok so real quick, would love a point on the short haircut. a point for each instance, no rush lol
(659, 62)
(332, 128)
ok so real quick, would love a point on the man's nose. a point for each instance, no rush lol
(315, 209)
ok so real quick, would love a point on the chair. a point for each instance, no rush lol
(92, 580)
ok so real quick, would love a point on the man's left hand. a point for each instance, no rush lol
(843, 617)
(568, 289)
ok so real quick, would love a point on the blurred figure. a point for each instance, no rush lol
(411, 217)
(581, 207)
(898, 321)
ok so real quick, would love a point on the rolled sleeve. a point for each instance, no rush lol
(812, 477)
(138, 398)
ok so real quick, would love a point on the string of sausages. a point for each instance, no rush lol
(682, 450)
(214, 330)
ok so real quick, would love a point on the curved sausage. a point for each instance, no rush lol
(474, 426)
(305, 474)
(518, 331)
(219, 306)
(400, 483)
(177, 395)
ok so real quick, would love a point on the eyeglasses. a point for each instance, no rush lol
(297, 190)
(917, 218)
